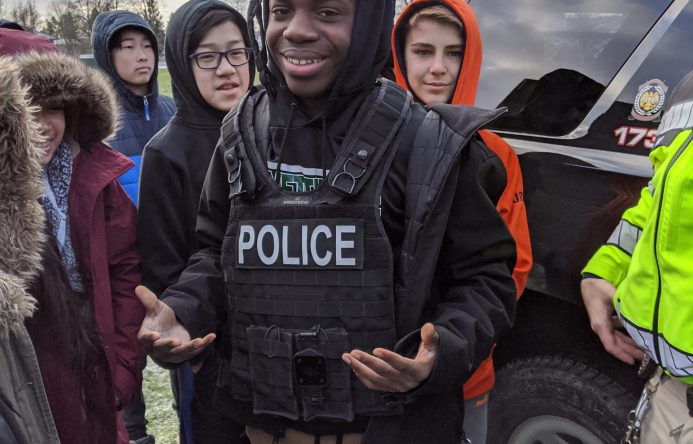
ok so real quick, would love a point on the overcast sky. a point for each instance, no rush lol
(167, 6)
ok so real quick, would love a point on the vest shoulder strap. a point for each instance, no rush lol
(240, 174)
(374, 130)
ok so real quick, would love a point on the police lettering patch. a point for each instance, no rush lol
(300, 243)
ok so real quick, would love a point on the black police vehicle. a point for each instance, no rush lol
(585, 83)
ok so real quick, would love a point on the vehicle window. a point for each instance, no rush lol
(548, 61)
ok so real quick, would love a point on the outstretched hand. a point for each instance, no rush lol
(162, 336)
(598, 295)
(388, 371)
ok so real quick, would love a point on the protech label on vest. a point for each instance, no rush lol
(300, 243)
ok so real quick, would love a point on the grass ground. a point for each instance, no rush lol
(165, 82)
(163, 422)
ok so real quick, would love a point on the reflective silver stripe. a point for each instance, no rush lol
(625, 236)
(678, 117)
(651, 187)
(677, 362)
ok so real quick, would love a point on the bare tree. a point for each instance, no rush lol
(150, 10)
(72, 20)
(239, 5)
(89, 9)
(3, 8)
(26, 14)
(65, 22)
(400, 5)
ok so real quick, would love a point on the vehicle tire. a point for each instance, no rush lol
(556, 399)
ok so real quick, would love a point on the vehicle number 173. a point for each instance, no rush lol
(633, 136)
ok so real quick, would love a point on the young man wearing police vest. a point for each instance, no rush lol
(644, 274)
(351, 259)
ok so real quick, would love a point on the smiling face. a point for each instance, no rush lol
(309, 41)
(133, 59)
(433, 58)
(52, 127)
(224, 86)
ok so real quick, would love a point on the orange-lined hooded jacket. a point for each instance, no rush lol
(511, 205)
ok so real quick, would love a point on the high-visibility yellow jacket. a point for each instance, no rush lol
(649, 258)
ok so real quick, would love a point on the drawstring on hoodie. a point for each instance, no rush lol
(324, 146)
(284, 138)
(146, 108)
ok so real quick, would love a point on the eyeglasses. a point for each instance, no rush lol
(212, 59)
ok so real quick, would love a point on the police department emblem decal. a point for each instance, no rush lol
(649, 101)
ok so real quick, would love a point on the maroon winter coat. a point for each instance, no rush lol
(102, 218)
(103, 230)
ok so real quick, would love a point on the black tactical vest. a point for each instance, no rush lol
(309, 276)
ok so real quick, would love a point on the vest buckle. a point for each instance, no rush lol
(349, 174)
(233, 165)
(393, 400)
(316, 398)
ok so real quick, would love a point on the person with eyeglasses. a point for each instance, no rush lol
(211, 69)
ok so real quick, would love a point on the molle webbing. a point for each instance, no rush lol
(293, 316)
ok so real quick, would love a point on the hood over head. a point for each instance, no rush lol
(90, 105)
(190, 105)
(21, 214)
(367, 55)
(468, 78)
(105, 27)
(13, 41)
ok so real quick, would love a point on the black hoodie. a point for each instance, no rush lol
(176, 159)
(368, 53)
(463, 283)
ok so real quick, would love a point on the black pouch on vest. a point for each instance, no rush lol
(322, 378)
(271, 371)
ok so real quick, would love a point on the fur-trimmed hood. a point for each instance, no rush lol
(21, 214)
(91, 110)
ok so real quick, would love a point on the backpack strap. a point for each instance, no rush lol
(376, 126)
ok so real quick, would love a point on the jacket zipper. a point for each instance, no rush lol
(655, 321)
(146, 108)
